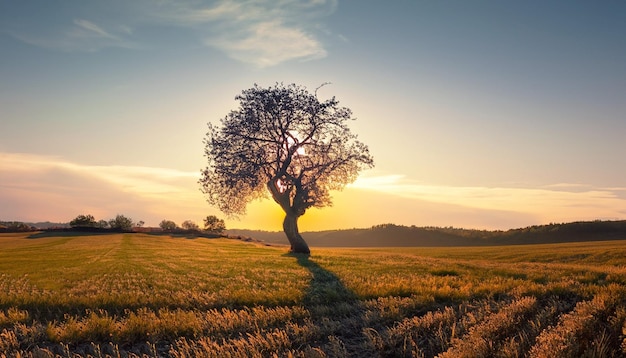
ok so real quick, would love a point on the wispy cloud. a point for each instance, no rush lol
(268, 43)
(263, 33)
(258, 32)
(89, 29)
(78, 35)
(145, 181)
(38, 187)
(560, 202)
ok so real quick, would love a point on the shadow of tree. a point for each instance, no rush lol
(325, 287)
(335, 309)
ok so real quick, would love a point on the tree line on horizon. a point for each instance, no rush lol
(212, 224)
(574, 227)
(393, 235)
(387, 234)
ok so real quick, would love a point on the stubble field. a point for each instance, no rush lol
(123, 295)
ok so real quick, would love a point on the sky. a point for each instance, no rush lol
(479, 114)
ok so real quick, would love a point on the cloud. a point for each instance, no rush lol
(267, 44)
(37, 187)
(262, 33)
(554, 203)
(258, 32)
(34, 187)
(89, 29)
(78, 35)
(360, 208)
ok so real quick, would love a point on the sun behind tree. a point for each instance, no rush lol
(285, 142)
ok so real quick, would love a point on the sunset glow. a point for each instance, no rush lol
(492, 115)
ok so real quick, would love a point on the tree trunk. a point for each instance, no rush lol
(298, 245)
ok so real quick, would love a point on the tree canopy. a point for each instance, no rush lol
(121, 222)
(189, 225)
(214, 224)
(284, 142)
(84, 221)
(168, 225)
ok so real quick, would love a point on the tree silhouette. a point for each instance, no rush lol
(84, 221)
(167, 225)
(189, 225)
(214, 224)
(121, 222)
(285, 142)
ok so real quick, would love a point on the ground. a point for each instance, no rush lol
(156, 295)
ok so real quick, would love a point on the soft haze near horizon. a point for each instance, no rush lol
(481, 114)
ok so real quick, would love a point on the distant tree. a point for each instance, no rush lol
(214, 224)
(190, 225)
(17, 226)
(140, 223)
(103, 224)
(167, 225)
(84, 221)
(121, 222)
(285, 142)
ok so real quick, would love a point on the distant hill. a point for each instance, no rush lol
(390, 235)
(15, 226)
(18, 226)
(48, 225)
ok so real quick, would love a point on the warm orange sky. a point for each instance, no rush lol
(48, 188)
(484, 114)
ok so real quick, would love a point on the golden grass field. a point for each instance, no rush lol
(129, 295)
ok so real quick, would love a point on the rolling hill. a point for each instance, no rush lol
(390, 235)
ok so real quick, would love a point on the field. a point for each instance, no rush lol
(133, 295)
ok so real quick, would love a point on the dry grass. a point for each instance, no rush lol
(138, 295)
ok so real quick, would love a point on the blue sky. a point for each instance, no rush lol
(484, 114)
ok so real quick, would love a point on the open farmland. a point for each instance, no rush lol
(124, 295)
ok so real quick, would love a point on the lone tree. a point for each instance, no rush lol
(167, 225)
(286, 142)
(121, 222)
(84, 221)
(189, 225)
(214, 225)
